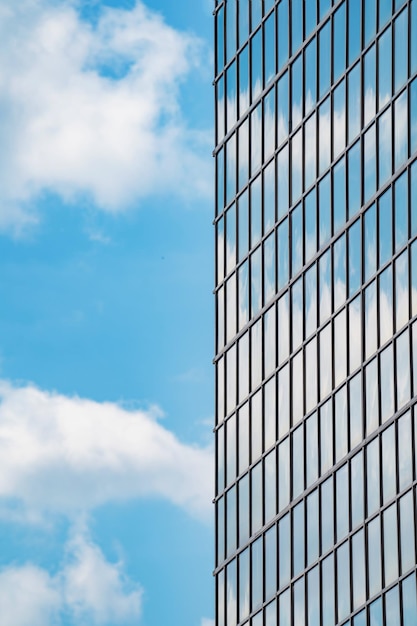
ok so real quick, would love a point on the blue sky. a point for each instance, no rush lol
(106, 313)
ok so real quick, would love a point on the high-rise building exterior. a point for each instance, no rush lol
(316, 312)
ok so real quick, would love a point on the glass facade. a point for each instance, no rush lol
(316, 312)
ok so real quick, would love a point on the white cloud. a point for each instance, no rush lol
(65, 455)
(94, 111)
(207, 622)
(87, 590)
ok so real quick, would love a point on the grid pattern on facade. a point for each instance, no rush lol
(316, 300)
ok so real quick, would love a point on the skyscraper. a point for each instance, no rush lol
(316, 305)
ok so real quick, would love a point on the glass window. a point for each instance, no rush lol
(388, 464)
(271, 614)
(324, 209)
(230, 238)
(282, 256)
(370, 20)
(385, 227)
(354, 178)
(403, 369)
(310, 151)
(296, 24)
(297, 313)
(384, 68)
(326, 436)
(256, 498)
(413, 117)
(282, 182)
(339, 42)
(358, 569)
(243, 518)
(343, 575)
(297, 90)
(256, 139)
(269, 43)
(230, 168)
(375, 613)
(385, 147)
(310, 9)
(231, 543)
(298, 545)
(310, 73)
(311, 378)
(231, 596)
(401, 129)
(299, 602)
(374, 556)
(340, 347)
(220, 459)
(270, 413)
(392, 608)
(256, 65)
(325, 346)
(354, 102)
(284, 550)
(244, 584)
(401, 211)
(282, 29)
(328, 591)
(405, 465)
(269, 196)
(243, 147)
(310, 224)
(312, 527)
(413, 37)
(230, 29)
(339, 272)
(296, 165)
(339, 195)
(256, 13)
(369, 244)
(243, 80)
(310, 291)
(355, 410)
(369, 78)
(220, 39)
(385, 11)
(369, 183)
(269, 127)
(231, 449)
(342, 503)
(372, 418)
(356, 485)
(282, 107)
(370, 320)
(354, 42)
(256, 354)
(257, 574)
(283, 401)
(313, 597)
(324, 135)
(401, 288)
(355, 270)
(298, 461)
(269, 273)
(256, 425)
(339, 123)
(285, 608)
(270, 478)
(243, 294)
(271, 562)
(283, 474)
(324, 59)
(220, 598)
(256, 281)
(409, 600)
(390, 545)
(283, 328)
(387, 383)
(401, 49)
(327, 510)
(407, 532)
(297, 387)
(231, 102)
(372, 475)
(340, 419)
(243, 434)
